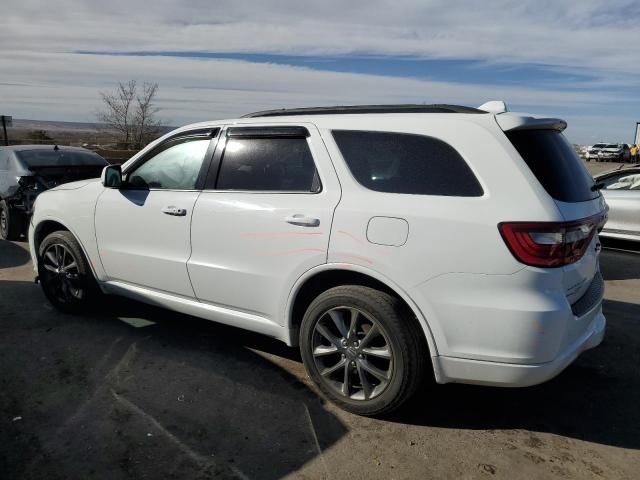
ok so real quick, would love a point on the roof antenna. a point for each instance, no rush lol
(56, 148)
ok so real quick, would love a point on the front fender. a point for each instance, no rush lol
(74, 210)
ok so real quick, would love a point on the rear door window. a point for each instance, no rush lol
(282, 164)
(555, 164)
(406, 163)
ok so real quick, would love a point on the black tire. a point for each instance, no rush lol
(398, 328)
(71, 291)
(12, 223)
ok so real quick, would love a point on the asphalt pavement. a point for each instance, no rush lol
(132, 392)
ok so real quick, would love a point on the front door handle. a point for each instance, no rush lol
(175, 211)
(302, 220)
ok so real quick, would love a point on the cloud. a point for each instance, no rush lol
(586, 33)
(65, 86)
(44, 78)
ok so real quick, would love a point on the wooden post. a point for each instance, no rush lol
(4, 129)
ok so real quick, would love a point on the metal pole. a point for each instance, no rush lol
(4, 129)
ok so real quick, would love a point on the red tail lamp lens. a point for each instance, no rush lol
(549, 244)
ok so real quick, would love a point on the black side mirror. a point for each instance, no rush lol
(112, 176)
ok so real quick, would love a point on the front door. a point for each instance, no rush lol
(143, 229)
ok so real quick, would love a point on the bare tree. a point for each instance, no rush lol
(132, 114)
(146, 124)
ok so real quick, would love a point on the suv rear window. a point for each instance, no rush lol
(555, 164)
(406, 163)
(58, 158)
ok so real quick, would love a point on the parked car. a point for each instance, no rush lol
(621, 189)
(593, 151)
(28, 170)
(614, 152)
(384, 241)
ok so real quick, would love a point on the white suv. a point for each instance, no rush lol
(386, 241)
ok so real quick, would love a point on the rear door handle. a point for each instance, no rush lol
(175, 211)
(302, 220)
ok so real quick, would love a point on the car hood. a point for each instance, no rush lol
(75, 185)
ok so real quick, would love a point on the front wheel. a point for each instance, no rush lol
(363, 349)
(65, 274)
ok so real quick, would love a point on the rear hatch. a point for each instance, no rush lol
(50, 177)
(554, 162)
(55, 166)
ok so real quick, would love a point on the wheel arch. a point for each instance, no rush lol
(50, 225)
(321, 278)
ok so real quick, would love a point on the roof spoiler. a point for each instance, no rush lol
(524, 122)
(520, 121)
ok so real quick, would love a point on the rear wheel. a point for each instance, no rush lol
(65, 275)
(11, 222)
(363, 349)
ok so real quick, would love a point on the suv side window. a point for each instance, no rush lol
(406, 163)
(174, 165)
(268, 164)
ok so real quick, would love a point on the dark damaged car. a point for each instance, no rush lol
(28, 170)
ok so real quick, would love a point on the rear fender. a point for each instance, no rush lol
(291, 330)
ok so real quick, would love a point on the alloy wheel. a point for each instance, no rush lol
(60, 273)
(352, 353)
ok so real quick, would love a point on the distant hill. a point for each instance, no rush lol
(97, 135)
(53, 125)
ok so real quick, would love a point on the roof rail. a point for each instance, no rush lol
(362, 109)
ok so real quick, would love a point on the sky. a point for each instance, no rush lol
(576, 60)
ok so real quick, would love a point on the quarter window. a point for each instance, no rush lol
(406, 163)
(175, 167)
(268, 164)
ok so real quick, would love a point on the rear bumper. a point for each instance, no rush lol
(23, 200)
(479, 372)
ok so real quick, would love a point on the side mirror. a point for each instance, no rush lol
(112, 176)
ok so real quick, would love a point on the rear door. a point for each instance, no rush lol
(264, 218)
(554, 162)
(143, 229)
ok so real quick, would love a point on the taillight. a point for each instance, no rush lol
(549, 244)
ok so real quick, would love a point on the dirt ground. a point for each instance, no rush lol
(596, 168)
(134, 392)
